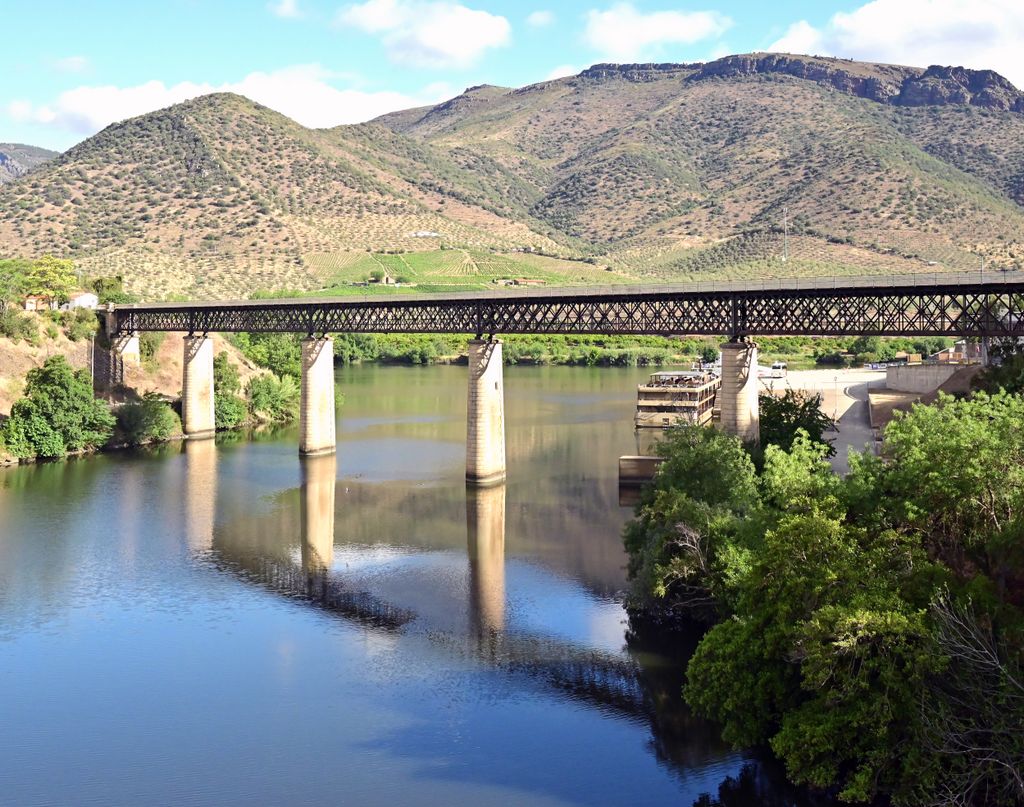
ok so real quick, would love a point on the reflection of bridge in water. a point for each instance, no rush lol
(610, 680)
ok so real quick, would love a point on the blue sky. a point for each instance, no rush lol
(71, 68)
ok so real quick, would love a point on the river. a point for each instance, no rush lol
(222, 623)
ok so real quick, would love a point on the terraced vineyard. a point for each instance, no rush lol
(450, 269)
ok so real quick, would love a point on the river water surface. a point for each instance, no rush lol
(222, 623)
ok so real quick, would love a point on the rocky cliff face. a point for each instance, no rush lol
(941, 86)
(638, 73)
(885, 84)
(17, 160)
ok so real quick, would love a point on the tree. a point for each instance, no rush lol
(273, 399)
(1009, 375)
(708, 354)
(957, 477)
(111, 290)
(281, 353)
(12, 281)
(58, 414)
(229, 409)
(686, 537)
(871, 628)
(782, 418)
(51, 277)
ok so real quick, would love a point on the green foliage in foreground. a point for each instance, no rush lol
(58, 414)
(869, 629)
(150, 420)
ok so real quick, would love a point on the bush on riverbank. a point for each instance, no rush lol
(58, 414)
(869, 629)
(150, 420)
(272, 399)
(229, 410)
(281, 353)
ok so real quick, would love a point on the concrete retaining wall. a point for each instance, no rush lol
(919, 378)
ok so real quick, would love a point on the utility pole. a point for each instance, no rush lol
(785, 234)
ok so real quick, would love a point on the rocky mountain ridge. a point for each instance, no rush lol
(17, 159)
(887, 84)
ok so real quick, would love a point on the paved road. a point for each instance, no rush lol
(845, 398)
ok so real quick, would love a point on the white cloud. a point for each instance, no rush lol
(288, 9)
(972, 33)
(540, 19)
(720, 50)
(71, 64)
(562, 71)
(302, 92)
(428, 33)
(622, 33)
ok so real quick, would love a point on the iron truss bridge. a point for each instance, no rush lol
(978, 304)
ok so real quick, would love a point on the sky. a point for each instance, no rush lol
(70, 68)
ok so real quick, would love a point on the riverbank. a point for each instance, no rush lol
(52, 411)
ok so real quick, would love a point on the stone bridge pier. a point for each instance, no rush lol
(316, 406)
(485, 414)
(738, 393)
(197, 415)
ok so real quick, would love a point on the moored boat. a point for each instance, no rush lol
(673, 397)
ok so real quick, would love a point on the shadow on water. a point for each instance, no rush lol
(292, 553)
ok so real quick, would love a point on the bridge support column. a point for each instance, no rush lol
(485, 415)
(316, 408)
(197, 417)
(739, 390)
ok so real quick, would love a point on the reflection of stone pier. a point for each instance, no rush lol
(317, 511)
(485, 527)
(200, 492)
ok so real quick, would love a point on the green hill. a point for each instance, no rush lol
(659, 172)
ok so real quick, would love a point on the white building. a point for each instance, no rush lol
(81, 299)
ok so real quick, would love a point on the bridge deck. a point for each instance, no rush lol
(968, 304)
